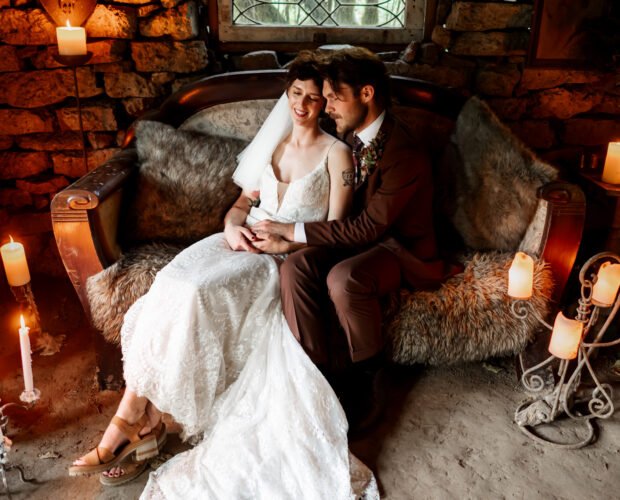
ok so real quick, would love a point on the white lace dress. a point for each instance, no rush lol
(209, 344)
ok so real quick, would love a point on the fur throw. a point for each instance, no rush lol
(184, 185)
(469, 318)
(496, 178)
(112, 291)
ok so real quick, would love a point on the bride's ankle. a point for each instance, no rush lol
(153, 414)
(130, 414)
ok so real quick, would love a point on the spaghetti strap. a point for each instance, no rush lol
(328, 150)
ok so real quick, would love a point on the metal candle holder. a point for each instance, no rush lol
(547, 406)
(73, 62)
(4, 452)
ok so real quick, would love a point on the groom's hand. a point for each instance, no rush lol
(271, 243)
(286, 231)
(239, 238)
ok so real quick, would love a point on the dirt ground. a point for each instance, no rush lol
(448, 431)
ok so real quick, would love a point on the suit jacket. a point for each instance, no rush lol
(393, 209)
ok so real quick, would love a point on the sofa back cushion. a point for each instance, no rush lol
(183, 188)
(239, 120)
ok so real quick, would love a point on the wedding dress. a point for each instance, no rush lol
(209, 345)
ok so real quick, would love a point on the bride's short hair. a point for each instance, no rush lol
(305, 66)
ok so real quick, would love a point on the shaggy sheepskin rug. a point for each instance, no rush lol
(112, 291)
(469, 318)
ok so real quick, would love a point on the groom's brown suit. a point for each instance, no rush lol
(389, 237)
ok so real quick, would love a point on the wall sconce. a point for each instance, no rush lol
(611, 170)
(76, 12)
(573, 339)
(69, 15)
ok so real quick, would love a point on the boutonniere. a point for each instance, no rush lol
(369, 157)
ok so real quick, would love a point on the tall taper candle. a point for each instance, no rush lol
(24, 343)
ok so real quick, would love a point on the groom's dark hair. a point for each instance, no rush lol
(305, 67)
(357, 67)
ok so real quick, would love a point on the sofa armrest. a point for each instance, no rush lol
(562, 230)
(558, 235)
(85, 218)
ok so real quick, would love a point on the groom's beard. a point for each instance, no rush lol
(347, 126)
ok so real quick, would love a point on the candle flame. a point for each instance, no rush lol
(21, 321)
(68, 24)
(11, 237)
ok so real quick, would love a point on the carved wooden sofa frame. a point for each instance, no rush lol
(87, 214)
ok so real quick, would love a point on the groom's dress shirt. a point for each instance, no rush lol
(370, 132)
(392, 209)
(366, 135)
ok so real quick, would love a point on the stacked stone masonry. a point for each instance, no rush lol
(139, 49)
(483, 51)
(145, 49)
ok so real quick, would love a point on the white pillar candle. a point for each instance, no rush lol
(521, 276)
(71, 40)
(607, 283)
(24, 343)
(15, 264)
(611, 170)
(565, 337)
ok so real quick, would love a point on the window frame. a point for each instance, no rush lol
(221, 26)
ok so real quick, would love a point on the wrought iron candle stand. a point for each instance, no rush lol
(73, 62)
(547, 406)
(5, 446)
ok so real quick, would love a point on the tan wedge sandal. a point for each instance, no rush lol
(132, 470)
(139, 448)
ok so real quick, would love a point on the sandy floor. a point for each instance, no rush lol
(448, 432)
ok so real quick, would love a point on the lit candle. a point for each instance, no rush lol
(24, 343)
(15, 265)
(71, 40)
(565, 337)
(607, 284)
(521, 276)
(611, 170)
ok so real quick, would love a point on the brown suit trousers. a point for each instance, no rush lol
(353, 262)
(354, 286)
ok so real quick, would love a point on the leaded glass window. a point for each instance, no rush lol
(328, 21)
(369, 13)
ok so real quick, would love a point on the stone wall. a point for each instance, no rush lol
(145, 49)
(141, 49)
(481, 47)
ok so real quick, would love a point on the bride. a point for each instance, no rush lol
(209, 344)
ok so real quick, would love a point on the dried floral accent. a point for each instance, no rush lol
(369, 157)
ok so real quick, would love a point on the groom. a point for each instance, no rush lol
(388, 239)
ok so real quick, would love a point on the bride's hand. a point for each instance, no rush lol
(286, 231)
(270, 243)
(240, 238)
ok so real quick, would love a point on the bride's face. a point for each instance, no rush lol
(305, 102)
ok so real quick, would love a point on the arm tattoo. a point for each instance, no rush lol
(348, 176)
